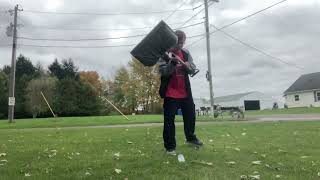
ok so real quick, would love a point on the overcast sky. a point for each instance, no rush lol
(289, 31)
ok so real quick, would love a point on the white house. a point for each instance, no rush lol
(250, 101)
(304, 92)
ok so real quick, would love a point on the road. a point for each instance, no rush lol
(250, 119)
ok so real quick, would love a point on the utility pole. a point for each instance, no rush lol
(209, 72)
(11, 101)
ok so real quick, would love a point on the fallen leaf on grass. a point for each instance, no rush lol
(231, 163)
(278, 176)
(27, 174)
(4, 160)
(277, 168)
(256, 162)
(254, 177)
(282, 151)
(118, 171)
(243, 177)
(116, 156)
(243, 134)
(129, 142)
(237, 149)
(304, 157)
(3, 154)
(203, 163)
(52, 155)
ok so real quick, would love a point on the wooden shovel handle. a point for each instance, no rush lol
(179, 59)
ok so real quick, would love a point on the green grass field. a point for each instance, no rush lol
(111, 120)
(93, 121)
(289, 150)
(303, 110)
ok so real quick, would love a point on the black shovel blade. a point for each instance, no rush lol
(155, 44)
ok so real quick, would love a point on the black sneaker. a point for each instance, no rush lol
(196, 142)
(171, 152)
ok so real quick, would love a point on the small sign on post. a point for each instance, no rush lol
(12, 101)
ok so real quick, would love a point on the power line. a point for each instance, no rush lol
(173, 12)
(80, 47)
(242, 19)
(191, 25)
(255, 48)
(246, 17)
(105, 14)
(182, 4)
(94, 39)
(102, 29)
(195, 15)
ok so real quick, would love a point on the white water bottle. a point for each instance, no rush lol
(181, 158)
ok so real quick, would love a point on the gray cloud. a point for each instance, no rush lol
(289, 31)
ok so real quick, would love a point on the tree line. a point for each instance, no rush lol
(70, 92)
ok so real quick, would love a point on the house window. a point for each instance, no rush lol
(296, 97)
(318, 96)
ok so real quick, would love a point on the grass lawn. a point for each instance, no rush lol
(302, 110)
(287, 149)
(92, 121)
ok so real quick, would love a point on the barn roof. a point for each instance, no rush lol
(234, 97)
(305, 82)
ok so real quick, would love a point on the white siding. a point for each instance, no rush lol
(266, 102)
(305, 100)
(201, 103)
(229, 104)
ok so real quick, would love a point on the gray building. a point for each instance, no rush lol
(304, 92)
(249, 101)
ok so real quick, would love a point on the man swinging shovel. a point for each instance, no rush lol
(175, 88)
(165, 47)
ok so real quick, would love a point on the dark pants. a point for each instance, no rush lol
(170, 107)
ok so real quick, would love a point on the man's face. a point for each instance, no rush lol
(180, 44)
